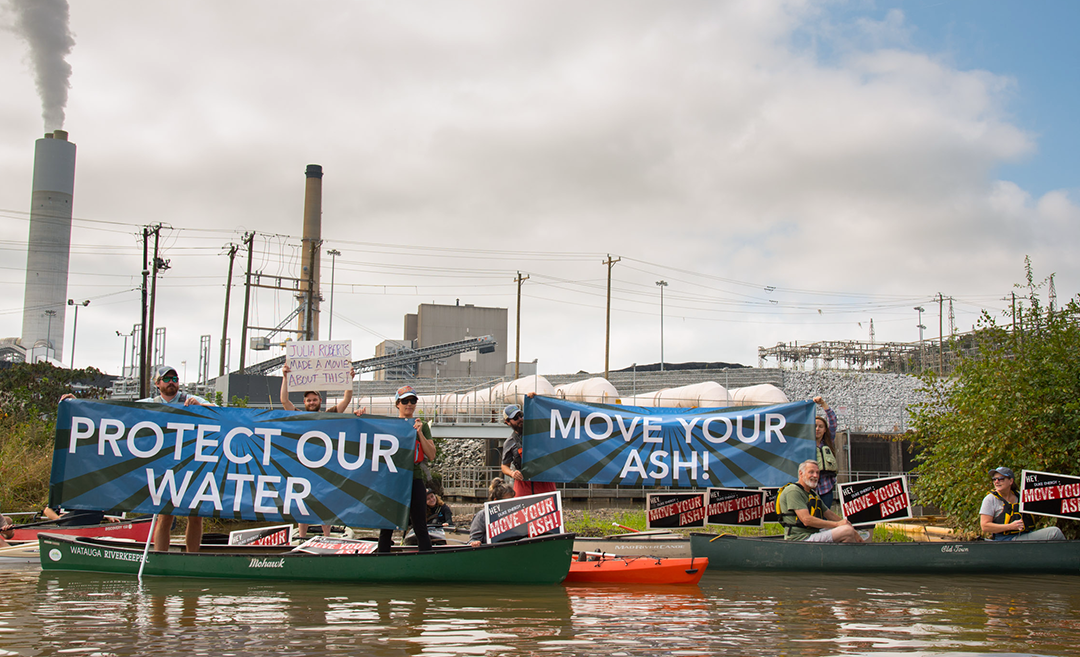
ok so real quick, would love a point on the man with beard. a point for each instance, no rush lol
(168, 385)
(167, 382)
(312, 404)
(803, 515)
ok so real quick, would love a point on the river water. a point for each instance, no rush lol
(728, 614)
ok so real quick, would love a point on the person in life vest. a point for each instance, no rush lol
(828, 467)
(805, 517)
(514, 418)
(1000, 514)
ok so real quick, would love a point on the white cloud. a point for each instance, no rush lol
(699, 137)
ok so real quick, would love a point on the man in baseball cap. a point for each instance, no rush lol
(514, 418)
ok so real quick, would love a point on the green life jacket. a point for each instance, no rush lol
(1010, 513)
(790, 518)
(826, 460)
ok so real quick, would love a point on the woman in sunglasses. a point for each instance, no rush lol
(405, 400)
(1000, 514)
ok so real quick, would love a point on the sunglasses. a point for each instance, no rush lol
(410, 400)
(998, 478)
(171, 379)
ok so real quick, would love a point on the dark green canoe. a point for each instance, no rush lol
(728, 552)
(542, 560)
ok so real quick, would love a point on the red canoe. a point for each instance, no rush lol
(611, 569)
(136, 530)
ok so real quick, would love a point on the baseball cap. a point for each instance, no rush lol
(404, 392)
(1004, 472)
(161, 371)
(511, 412)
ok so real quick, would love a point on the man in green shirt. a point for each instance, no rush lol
(805, 518)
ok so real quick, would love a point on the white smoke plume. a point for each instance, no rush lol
(44, 25)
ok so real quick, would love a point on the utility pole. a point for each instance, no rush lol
(920, 310)
(941, 334)
(517, 338)
(333, 253)
(250, 239)
(225, 323)
(143, 379)
(607, 326)
(158, 264)
(662, 285)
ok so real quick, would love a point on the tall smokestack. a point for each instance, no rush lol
(48, 250)
(309, 262)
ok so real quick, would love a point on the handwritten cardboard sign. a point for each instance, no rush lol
(875, 500)
(669, 510)
(739, 507)
(323, 545)
(276, 535)
(1049, 494)
(524, 517)
(319, 365)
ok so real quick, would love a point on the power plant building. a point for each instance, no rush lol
(435, 324)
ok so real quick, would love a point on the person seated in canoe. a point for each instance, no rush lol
(7, 529)
(439, 516)
(498, 490)
(75, 518)
(313, 402)
(406, 400)
(1000, 514)
(805, 517)
(438, 512)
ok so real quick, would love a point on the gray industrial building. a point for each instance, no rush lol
(433, 324)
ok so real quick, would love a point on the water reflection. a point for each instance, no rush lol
(762, 614)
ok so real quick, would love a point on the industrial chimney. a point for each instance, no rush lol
(309, 260)
(49, 247)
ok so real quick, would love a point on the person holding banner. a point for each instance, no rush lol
(514, 418)
(312, 404)
(405, 400)
(312, 400)
(824, 430)
(498, 490)
(1000, 513)
(805, 517)
(168, 385)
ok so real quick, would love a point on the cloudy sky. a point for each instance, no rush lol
(793, 170)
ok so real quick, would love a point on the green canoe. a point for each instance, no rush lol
(728, 552)
(542, 560)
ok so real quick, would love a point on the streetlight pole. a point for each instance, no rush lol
(333, 253)
(75, 326)
(48, 335)
(662, 285)
(123, 366)
(920, 310)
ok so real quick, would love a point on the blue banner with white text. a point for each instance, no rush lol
(735, 447)
(239, 463)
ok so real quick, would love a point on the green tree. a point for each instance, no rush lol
(1015, 403)
(29, 396)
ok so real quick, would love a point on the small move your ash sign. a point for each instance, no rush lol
(1048, 494)
(875, 500)
(524, 517)
(675, 510)
(736, 507)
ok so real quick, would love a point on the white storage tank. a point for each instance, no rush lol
(759, 395)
